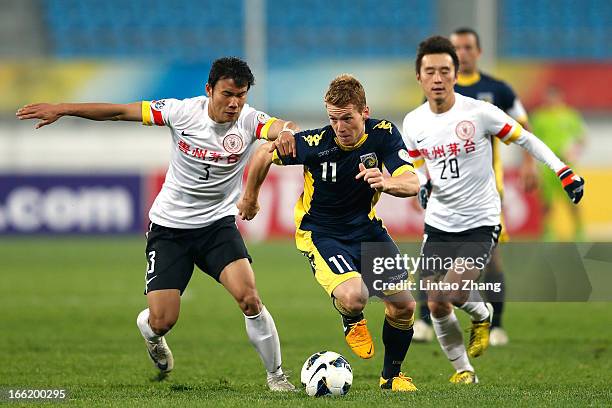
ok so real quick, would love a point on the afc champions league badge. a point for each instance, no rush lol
(369, 160)
(158, 105)
(465, 130)
(232, 143)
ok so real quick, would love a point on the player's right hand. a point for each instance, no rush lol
(285, 144)
(47, 113)
(424, 193)
(247, 208)
(572, 184)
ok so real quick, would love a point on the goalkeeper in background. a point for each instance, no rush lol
(562, 129)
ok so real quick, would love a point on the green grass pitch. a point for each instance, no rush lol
(69, 308)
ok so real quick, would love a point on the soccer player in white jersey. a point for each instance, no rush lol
(449, 142)
(193, 217)
(472, 82)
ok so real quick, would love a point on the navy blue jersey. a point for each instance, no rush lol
(334, 202)
(486, 88)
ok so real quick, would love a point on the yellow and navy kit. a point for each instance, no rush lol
(333, 201)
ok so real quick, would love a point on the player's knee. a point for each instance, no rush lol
(250, 303)
(440, 309)
(353, 301)
(162, 323)
(404, 310)
(458, 297)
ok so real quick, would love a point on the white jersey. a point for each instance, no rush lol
(456, 147)
(204, 178)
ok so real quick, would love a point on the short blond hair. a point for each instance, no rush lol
(344, 90)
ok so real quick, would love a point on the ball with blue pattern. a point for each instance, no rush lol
(326, 373)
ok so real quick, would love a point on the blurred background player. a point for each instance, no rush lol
(474, 83)
(449, 142)
(563, 130)
(193, 216)
(335, 214)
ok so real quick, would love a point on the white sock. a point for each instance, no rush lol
(451, 340)
(477, 310)
(264, 337)
(143, 324)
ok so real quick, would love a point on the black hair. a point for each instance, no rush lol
(436, 45)
(233, 68)
(467, 30)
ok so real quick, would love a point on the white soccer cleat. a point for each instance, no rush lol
(498, 337)
(160, 355)
(280, 382)
(423, 332)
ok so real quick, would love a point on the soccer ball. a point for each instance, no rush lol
(326, 373)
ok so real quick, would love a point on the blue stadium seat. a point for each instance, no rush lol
(555, 29)
(179, 30)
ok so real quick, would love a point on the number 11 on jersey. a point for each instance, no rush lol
(332, 166)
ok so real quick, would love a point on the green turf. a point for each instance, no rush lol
(69, 307)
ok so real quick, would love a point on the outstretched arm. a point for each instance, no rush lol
(49, 113)
(248, 205)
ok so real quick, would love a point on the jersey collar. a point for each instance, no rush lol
(468, 80)
(349, 148)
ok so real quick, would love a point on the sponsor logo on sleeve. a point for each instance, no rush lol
(403, 154)
(158, 105)
(262, 118)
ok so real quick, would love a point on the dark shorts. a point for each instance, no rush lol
(171, 253)
(334, 259)
(440, 247)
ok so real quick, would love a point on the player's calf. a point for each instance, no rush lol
(161, 325)
(397, 336)
(249, 303)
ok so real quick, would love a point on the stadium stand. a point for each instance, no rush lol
(191, 30)
(555, 29)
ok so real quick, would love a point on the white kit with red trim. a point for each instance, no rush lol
(204, 178)
(456, 148)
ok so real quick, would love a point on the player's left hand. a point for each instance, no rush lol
(373, 177)
(247, 208)
(572, 183)
(424, 193)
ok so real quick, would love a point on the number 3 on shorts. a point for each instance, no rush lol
(151, 262)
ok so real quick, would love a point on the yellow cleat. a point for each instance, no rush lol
(464, 377)
(360, 340)
(479, 335)
(400, 383)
